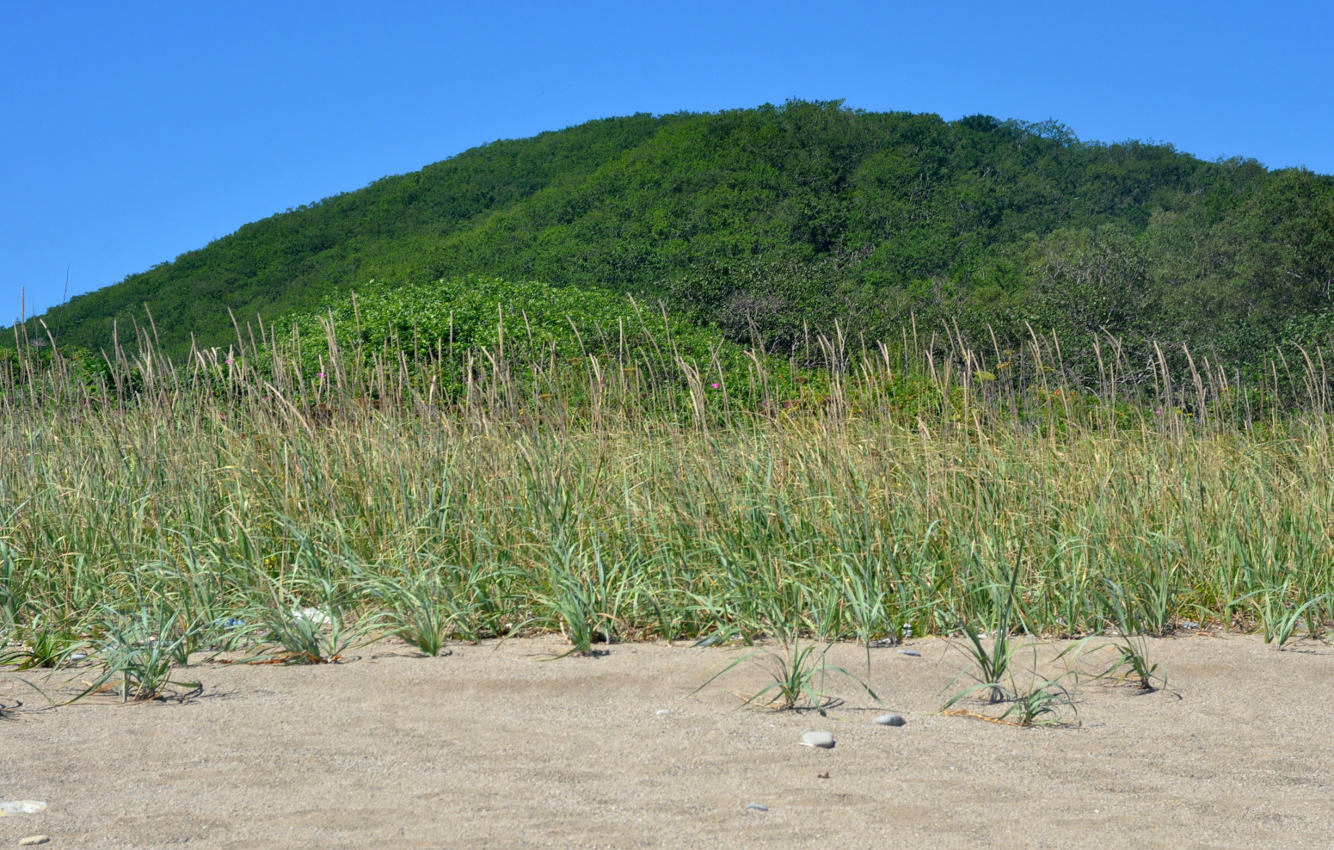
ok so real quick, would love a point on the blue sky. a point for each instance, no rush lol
(133, 132)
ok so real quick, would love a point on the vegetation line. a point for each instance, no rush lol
(295, 499)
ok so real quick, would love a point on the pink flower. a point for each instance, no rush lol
(714, 385)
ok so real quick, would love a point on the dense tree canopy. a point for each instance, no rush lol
(775, 222)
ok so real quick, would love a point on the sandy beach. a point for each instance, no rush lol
(499, 745)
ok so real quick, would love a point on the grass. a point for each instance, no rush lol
(1044, 703)
(991, 664)
(1041, 701)
(46, 645)
(317, 633)
(850, 492)
(798, 676)
(139, 654)
(1130, 646)
(1280, 616)
(1133, 661)
(420, 609)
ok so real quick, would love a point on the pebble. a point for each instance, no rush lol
(21, 807)
(823, 740)
(660, 712)
(891, 720)
(32, 840)
(759, 807)
(914, 653)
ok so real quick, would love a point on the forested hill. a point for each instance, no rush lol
(773, 218)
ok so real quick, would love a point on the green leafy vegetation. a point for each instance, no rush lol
(788, 376)
(991, 664)
(798, 675)
(244, 504)
(504, 322)
(776, 224)
(141, 651)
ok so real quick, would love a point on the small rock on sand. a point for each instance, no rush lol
(891, 720)
(33, 840)
(823, 740)
(910, 652)
(759, 807)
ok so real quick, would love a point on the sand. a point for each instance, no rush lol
(498, 746)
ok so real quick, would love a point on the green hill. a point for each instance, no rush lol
(781, 220)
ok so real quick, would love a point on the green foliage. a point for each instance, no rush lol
(421, 608)
(141, 650)
(798, 675)
(212, 508)
(992, 664)
(778, 223)
(1279, 616)
(46, 644)
(481, 332)
(1131, 646)
(524, 320)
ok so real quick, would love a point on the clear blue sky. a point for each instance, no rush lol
(133, 132)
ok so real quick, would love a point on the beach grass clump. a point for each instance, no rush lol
(1045, 702)
(140, 651)
(798, 674)
(309, 620)
(1131, 648)
(991, 663)
(1281, 613)
(41, 643)
(1032, 700)
(423, 606)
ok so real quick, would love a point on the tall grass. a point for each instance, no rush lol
(851, 491)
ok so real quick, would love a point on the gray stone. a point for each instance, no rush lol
(32, 840)
(759, 807)
(891, 720)
(823, 740)
(914, 653)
